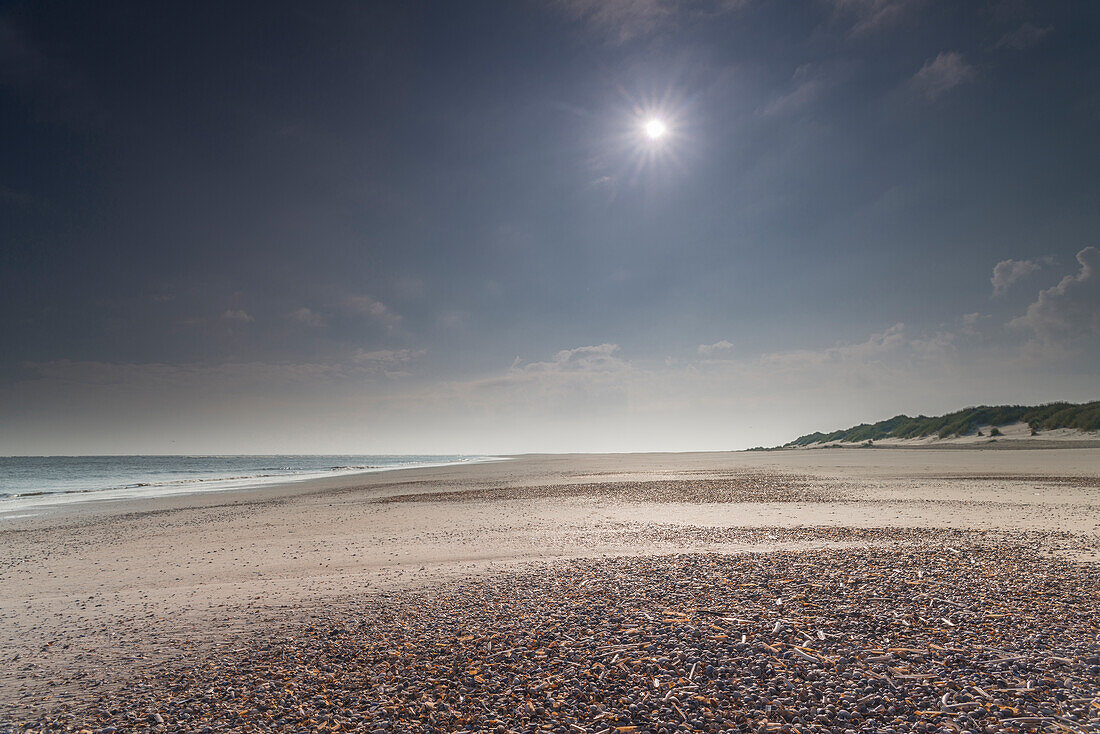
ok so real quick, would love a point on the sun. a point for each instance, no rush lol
(652, 137)
(655, 129)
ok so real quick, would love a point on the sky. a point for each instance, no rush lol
(411, 227)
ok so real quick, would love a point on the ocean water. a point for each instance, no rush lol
(30, 482)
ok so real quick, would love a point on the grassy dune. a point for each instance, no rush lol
(1084, 417)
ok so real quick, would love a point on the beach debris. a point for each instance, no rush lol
(662, 644)
(742, 486)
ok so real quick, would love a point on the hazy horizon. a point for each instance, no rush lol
(502, 228)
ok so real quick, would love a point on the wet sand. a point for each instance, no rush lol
(94, 594)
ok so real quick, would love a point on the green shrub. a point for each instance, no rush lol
(1083, 417)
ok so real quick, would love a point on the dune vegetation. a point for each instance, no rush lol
(1083, 416)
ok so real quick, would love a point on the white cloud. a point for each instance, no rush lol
(1007, 272)
(306, 317)
(594, 378)
(873, 348)
(809, 83)
(1023, 37)
(945, 72)
(373, 309)
(619, 21)
(707, 350)
(971, 323)
(237, 315)
(597, 358)
(1071, 309)
(584, 381)
(576, 379)
(871, 16)
(392, 362)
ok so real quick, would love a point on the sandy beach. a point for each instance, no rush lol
(95, 596)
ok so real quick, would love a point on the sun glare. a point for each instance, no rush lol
(655, 129)
(652, 137)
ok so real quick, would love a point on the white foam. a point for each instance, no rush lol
(202, 485)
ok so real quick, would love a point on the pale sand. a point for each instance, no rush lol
(98, 589)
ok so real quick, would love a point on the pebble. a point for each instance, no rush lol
(982, 635)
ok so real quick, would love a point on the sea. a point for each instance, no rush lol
(29, 484)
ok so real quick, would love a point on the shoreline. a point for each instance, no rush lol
(283, 485)
(45, 500)
(554, 466)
